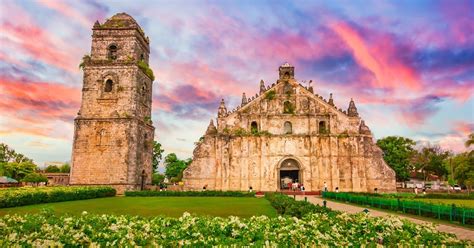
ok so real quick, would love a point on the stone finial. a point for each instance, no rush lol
(363, 129)
(262, 87)
(211, 129)
(244, 99)
(331, 101)
(222, 109)
(352, 110)
(97, 24)
(310, 87)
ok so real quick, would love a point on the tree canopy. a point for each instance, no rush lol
(397, 152)
(174, 166)
(157, 155)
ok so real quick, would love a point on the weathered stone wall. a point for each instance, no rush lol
(343, 154)
(113, 135)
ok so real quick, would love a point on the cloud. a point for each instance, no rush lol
(34, 107)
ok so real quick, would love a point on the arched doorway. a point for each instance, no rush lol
(288, 172)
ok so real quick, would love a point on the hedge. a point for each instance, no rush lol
(440, 211)
(15, 197)
(190, 193)
(419, 195)
(285, 205)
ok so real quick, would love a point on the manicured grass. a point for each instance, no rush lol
(154, 206)
(458, 202)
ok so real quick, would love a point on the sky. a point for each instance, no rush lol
(408, 65)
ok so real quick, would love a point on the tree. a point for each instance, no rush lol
(157, 178)
(65, 168)
(18, 170)
(397, 152)
(463, 169)
(52, 169)
(431, 160)
(470, 140)
(35, 178)
(157, 155)
(174, 166)
(9, 155)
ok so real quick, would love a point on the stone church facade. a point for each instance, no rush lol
(287, 133)
(113, 133)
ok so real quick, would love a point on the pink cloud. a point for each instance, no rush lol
(380, 58)
(38, 42)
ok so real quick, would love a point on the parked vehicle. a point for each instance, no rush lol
(456, 187)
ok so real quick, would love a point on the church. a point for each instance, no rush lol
(285, 134)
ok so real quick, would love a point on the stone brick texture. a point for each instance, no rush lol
(113, 133)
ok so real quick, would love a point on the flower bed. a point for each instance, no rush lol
(26, 196)
(190, 193)
(440, 211)
(315, 229)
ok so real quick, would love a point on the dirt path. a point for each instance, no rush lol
(461, 233)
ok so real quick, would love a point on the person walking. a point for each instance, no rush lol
(325, 187)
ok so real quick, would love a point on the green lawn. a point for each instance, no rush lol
(458, 202)
(153, 206)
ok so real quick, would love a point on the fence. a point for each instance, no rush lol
(445, 212)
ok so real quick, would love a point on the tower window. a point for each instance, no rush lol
(143, 90)
(142, 57)
(288, 128)
(108, 85)
(322, 127)
(254, 127)
(112, 52)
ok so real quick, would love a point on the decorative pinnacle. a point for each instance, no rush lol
(262, 87)
(222, 109)
(244, 99)
(97, 24)
(352, 110)
(331, 101)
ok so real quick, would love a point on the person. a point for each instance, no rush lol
(250, 189)
(302, 188)
(375, 190)
(204, 187)
(337, 189)
(290, 185)
(416, 190)
(424, 191)
(325, 186)
(295, 186)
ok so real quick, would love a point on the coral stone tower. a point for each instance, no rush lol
(113, 133)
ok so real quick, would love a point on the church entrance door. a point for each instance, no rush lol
(288, 174)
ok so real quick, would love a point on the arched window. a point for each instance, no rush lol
(144, 90)
(322, 127)
(254, 127)
(142, 57)
(286, 75)
(108, 85)
(288, 108)
(112, 52)
(288, 128)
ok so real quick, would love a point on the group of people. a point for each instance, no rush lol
(296, 186)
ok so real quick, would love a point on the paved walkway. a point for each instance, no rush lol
(461, 233)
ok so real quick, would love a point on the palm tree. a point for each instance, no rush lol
(470, 140)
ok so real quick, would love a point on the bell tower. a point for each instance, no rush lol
(113, 132)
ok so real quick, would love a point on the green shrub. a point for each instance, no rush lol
(26, 196)
(270, 95)
(191, 193)
(146, 69)
(286, 205)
